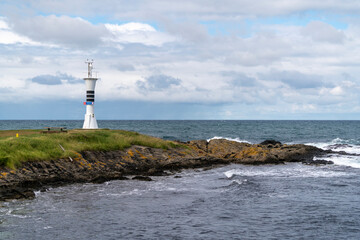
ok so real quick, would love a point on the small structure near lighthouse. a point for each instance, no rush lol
(90, 81)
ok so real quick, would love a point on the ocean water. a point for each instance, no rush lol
(290, 201)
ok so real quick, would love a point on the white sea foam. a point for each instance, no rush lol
(230, 173)
(285, 172)
(14, 213)
(351, 161)
(240, 182)
(37, 193)
(230, 139)
(341, 145)
(125, 193)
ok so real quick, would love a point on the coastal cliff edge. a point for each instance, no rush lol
(142, 162)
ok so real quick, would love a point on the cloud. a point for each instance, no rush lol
(337, 91)
(238, 79)
(134, 32)
(229, 52)
(263, 48)
(323, 32)
(295, 79)
(124, 67)
(7, 36)
(303, 108)
(211, 9)
(63, 30)
(59, 78)
(158, 83)
(189, 31)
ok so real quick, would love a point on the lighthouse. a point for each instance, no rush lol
(90, 82)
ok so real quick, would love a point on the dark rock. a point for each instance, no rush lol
(199, 144)
(270, 142)
(28, 194)
(210, 167)
(336, 146)
(16, 193)
(100, 179)
(142, 178)
(141, 162)
(157, 172)
(318, 162)
(123, 178)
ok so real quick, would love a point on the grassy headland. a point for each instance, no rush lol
(32, 145)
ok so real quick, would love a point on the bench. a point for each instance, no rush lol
(54, 129)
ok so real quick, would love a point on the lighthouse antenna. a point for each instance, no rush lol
(90, 67)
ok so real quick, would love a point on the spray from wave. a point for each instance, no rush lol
(229, 139)
(342, 147)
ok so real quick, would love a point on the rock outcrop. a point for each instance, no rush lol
(96, 166)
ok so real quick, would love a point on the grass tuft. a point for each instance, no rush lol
(34, 146)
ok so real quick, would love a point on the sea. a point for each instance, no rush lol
(287, 201)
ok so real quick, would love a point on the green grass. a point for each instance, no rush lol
(35, 146)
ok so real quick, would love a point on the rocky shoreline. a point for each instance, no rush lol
(143, 162)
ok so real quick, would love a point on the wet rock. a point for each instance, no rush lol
(338, 145)
(100, 179)
(16, 193)
(270, 142)
(27, 193)
(297, 152)
(157, 172)
(142, 178)
(318, 162)
(99, 166)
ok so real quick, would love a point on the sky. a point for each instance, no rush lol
(189, 59)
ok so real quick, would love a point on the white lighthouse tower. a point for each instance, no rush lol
(90, 81)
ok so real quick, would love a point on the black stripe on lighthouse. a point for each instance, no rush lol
(90, 96)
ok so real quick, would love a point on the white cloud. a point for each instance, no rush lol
(7, 36)
(186, 31)
(137, 33)
(130, 28)
(320, 31)
(63, 30)
(3, 24)
(168, 52)
(337, 91)
(303, 108)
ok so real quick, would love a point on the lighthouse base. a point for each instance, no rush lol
(90, 121)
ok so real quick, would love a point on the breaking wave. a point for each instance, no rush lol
(343, 148)
(229, 139)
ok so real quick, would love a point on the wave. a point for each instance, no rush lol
(284, 172)
(343, 160)
(338, 144)
(229, 139)
(341, 146)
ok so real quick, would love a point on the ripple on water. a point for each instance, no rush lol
(290, 201)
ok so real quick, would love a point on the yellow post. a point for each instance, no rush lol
(17, 135)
